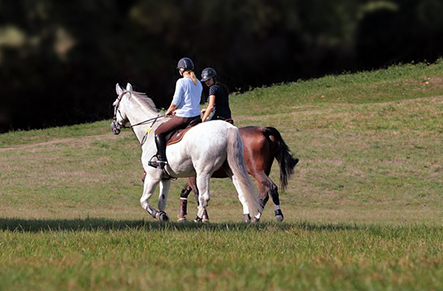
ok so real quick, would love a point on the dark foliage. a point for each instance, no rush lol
(60, 60)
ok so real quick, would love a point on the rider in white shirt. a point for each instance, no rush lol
(185, 108)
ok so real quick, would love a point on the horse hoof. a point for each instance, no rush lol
(198, 219)
(182, 219)
(246, 218)
(205, 218)
(255, 220)
(279, 215)
(163, 217)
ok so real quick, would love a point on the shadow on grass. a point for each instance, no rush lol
(103, 224)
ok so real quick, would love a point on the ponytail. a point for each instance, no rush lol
(193, 77)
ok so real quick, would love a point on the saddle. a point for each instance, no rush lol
(177, 135)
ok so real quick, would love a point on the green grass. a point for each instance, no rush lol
(137, 255)
(362, 212)
(392, 84)
(23, 137)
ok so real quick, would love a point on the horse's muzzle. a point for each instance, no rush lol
(116, 127)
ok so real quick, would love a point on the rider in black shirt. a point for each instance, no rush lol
(218, 107)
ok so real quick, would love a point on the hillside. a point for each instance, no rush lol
(369, 146)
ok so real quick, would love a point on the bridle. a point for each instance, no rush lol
(116, 107)
(117, 126)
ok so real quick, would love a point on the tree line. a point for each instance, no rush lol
(60, 60)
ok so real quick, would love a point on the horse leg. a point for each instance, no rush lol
(267, 187)
(148, 190)
(192, 184)
(183, 210)
(264, 184)
(264, 187)
(205, 217)
(143, 176)
(241, 197)
(275, 198)
(203, 195)
(162, 199)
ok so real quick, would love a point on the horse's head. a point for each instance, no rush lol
(120, 119)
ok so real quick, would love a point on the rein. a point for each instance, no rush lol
(148, 130)
(146, 121)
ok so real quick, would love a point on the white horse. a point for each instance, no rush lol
(204, 148)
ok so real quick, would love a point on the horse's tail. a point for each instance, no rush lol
(283, 155)
(236, 162)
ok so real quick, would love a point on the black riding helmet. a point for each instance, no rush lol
(185, 63)
(207, 74)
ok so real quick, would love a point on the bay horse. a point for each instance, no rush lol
(202, 150)
(261, 146)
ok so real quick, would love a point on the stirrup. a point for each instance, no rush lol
(156, 164)
(152, 163)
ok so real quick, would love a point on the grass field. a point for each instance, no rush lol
(363, 211)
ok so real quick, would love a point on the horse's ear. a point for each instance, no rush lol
(118, 89)
(128, 87)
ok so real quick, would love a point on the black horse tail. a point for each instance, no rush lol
(283, 155)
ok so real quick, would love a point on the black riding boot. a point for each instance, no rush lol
(160, 142)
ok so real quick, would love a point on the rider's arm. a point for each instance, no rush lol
(209, 108)
(178, 97)
(171, 109)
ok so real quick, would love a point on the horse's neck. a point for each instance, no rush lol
(137, 115)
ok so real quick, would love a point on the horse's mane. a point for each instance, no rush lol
(145, 100)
